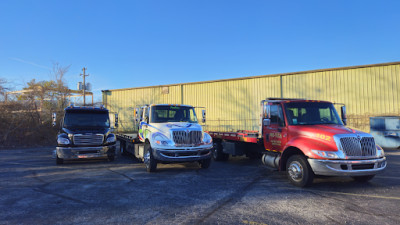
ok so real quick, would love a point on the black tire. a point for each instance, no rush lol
(363, 179)
(299, 171)
(122, 148)
(217, 153)
(59, 160)
(111, 158)
(205, 163)
(149, 160)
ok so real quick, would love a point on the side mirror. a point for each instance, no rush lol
(267, 111)
(266, 122)
(54, 119)
(343, 114)
(116, 120)
(203, 113)
(136, 114)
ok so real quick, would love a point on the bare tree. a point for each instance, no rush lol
(27, 116)
(61, 86)
(3, 88)
(48, 95)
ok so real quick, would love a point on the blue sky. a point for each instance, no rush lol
(143, 43)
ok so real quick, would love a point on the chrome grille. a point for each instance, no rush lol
(187, 138)
(88, 139)
(352, 146)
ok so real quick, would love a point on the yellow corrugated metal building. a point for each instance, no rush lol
(232, 104)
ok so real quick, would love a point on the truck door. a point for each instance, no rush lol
(275, 135)
(144, 119)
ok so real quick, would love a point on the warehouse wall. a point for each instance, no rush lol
(124, 102)
(371, 90)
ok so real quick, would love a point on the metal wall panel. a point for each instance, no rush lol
(123, 102)
(372, 90)
(231, 105)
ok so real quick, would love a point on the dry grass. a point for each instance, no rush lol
(24, 126)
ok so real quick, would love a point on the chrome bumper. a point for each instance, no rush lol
(347, 167)
(85, 152)
(180, 155)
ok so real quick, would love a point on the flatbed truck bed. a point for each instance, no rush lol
(249, 136)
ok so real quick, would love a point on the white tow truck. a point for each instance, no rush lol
(167, 134)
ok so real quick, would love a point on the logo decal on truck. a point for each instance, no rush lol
(323, 137)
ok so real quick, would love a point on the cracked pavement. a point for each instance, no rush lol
(34, 190)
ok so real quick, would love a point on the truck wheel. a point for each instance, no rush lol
(59, 160)
(218, 154)
(122, 148)
(299, 171)
(205, 163)
(149, 160)
(111, 158)
(363, 178)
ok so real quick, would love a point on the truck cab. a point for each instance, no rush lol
(169, 134)
(308, 138)
(85, 133)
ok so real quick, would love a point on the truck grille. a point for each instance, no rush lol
(88, 139)
(187, 138)
(353, 146)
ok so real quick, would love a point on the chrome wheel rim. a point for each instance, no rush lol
(295, 171)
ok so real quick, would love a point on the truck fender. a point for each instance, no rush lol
(302, 143)
(306, 144)
(298, 146)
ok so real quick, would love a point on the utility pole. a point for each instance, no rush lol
(84, 85)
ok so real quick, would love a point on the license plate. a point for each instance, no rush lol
(87, 156)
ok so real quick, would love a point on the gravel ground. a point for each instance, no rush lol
(34, 190)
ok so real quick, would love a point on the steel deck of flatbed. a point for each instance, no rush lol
(127, 137)
(241, 135)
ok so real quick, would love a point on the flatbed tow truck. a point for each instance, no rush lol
(167, 134)
(304, 138)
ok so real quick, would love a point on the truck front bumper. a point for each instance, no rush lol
(347, 167)
(85, 152)
(182, 155)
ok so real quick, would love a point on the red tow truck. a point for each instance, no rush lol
(304, 138)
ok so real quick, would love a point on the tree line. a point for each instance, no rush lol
(25, 118)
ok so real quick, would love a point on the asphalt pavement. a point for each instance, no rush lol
(34, 190)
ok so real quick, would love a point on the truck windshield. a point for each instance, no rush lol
(162, 114)
(311, 113)
(91, 119)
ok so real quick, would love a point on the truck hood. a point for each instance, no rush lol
(86, 130)
(320, 137)
(325, 129)
(166, 128)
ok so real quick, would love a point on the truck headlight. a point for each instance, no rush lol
(111, 138)
(207, 138)
(63, 141)
(326, 154)
(161, 139)
(379, 151)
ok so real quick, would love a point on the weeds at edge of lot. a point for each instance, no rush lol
(20, 126)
